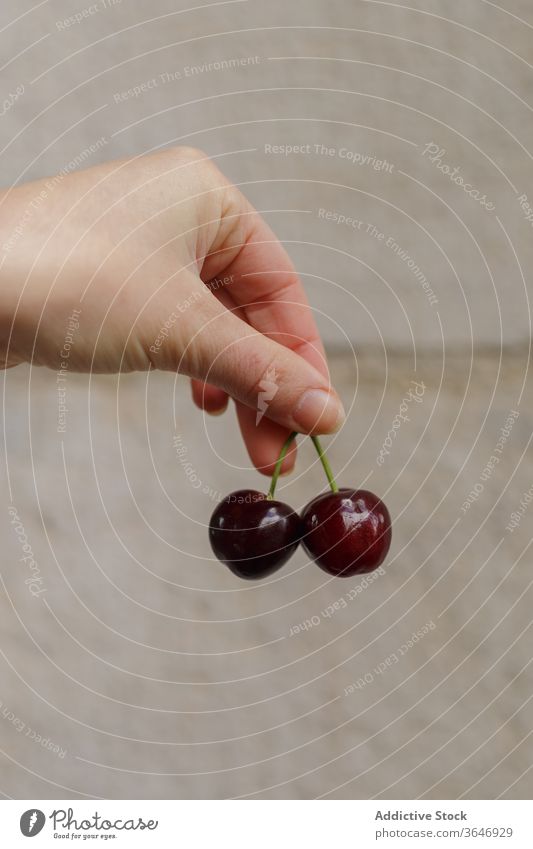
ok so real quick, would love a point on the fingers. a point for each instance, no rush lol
(209, 398)
(264, 438)
(264, 283)
(257, 371)
(264, 441)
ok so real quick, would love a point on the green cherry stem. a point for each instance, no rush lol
(282, 454)
(325, 463)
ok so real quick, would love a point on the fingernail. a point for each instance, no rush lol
(218, 412)
(318, 411)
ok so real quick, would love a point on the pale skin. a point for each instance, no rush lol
(171, 268)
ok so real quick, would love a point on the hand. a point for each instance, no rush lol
(169, 267)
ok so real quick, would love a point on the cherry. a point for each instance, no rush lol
(253, 534)
(347, 531)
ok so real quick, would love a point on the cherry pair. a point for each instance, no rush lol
(346, 531)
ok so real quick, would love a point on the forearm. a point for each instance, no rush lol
(25, 225)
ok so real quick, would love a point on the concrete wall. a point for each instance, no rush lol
(364, 79)
(151, 669)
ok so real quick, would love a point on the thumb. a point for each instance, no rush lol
(268, 377)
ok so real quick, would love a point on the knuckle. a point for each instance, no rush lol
(263, 371)
(194, 154)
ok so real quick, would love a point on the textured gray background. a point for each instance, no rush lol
(157, 672)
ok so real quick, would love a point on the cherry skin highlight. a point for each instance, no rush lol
(347, 532)
(252, 535)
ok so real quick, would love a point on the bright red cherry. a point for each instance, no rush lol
(347, 532)
(253, 535)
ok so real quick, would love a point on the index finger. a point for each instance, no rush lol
(268, 290)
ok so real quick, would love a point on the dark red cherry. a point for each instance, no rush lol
(252, 535)
(347, 532)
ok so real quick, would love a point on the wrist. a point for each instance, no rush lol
(19, 218)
